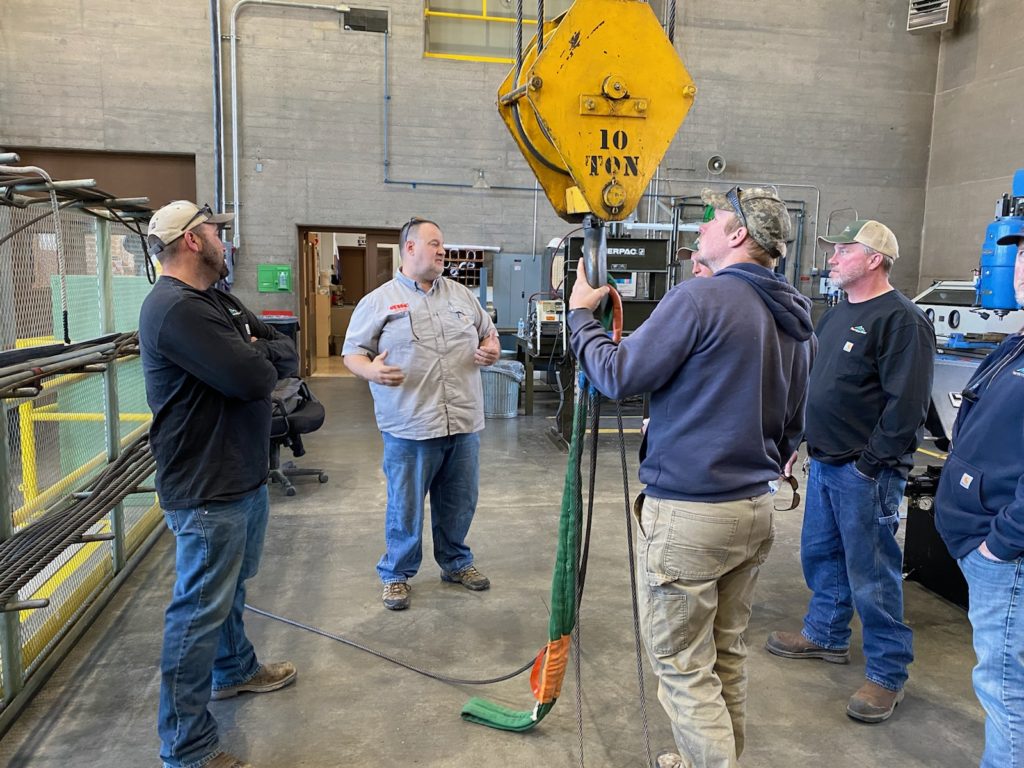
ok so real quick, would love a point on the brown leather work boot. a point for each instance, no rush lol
(793, 645)
(872, 703)
(269, 677)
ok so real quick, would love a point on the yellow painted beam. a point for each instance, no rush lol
(90, 583)
(461, 57)
(476, 17)
(64, 416)
(28, 511)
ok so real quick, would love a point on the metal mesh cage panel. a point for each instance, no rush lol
(57, 441)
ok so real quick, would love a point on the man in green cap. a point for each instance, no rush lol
(869, 394)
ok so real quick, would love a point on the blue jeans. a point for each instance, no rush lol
(851, 559)
(995, 614)
(448, 468)
(218, 547)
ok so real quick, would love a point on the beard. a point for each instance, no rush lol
(849, 276)
(212, 257)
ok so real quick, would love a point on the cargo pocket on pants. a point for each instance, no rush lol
(667, 620)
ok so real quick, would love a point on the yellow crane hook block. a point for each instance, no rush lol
(595, 111)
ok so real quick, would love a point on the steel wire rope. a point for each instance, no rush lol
(31, 550)
(150, 269)
(593, 399)
(515, 84)
(385, 656)
(632, 584)
(64, 530)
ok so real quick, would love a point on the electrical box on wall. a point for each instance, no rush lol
(273, 278)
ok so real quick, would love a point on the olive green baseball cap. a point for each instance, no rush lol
(869, 233)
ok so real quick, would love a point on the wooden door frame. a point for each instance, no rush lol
(307, 277)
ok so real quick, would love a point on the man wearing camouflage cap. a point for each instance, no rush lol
(726, 361)
(869, 394)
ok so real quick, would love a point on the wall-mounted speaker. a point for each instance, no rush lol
(716, 165)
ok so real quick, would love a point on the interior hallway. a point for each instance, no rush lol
(350, 709)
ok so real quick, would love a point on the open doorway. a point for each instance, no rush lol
(337, 267)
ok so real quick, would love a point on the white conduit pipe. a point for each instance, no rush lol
(237, 233)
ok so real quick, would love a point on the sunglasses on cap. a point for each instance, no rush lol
(733, 198)
(206, 211)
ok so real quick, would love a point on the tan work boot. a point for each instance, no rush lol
(469, 577)
(226, 760)
(872, 703)
(268, 678)
(397, 595)
(793, 645)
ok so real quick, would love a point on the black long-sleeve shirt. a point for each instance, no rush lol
(208, 385)
(871, 384)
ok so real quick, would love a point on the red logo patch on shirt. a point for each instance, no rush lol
(397, 307)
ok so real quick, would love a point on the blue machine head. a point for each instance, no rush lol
(995, 283)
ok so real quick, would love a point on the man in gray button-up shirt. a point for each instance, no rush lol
(420, 340)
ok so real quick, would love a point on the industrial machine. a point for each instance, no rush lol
(518, 278)
(995, 279)
(547, 325)
(640, 269)
(925, 557)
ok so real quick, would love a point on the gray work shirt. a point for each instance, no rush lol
(432, 337)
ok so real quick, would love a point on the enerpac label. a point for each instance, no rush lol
(627, 251)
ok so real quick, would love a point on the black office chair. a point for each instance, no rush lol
(296, 413)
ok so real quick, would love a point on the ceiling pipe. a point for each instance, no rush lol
(239, 6)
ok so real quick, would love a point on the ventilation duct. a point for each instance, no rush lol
(931, 15)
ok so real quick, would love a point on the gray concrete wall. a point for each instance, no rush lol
(833, 96)
(978, 134)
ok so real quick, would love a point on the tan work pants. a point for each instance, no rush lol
(697, 565)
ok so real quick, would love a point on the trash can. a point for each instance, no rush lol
(286, 324)
(501, 388)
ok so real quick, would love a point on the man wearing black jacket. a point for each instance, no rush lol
(869, 394)
(210, 366)
(979, 511)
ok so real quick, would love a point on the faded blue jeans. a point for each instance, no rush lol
(218, 547)
(448, 468)
(995, 614)
(851, 559)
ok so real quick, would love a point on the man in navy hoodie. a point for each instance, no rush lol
(979, 511)
(726, 361)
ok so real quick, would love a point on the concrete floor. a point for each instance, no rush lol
(350, 709)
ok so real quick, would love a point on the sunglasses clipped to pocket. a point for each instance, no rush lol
(781, 495)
